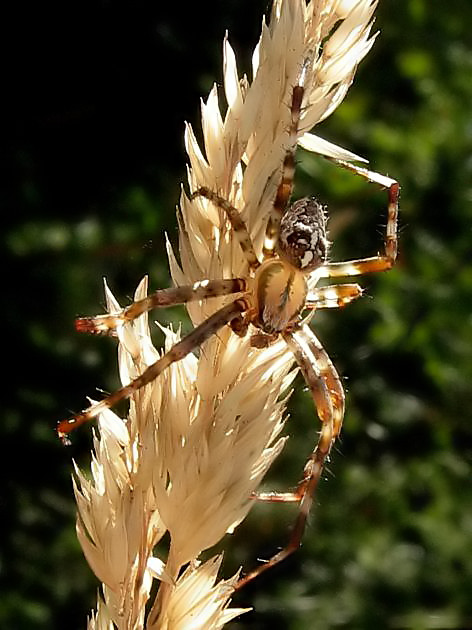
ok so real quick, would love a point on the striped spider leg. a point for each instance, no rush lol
(108, 323)
(269, 304)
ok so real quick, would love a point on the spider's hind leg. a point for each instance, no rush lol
(328, 395)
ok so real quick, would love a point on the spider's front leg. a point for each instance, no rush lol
(381, 262)
(234, 217)
(328, 395)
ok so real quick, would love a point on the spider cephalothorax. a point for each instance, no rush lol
(271, 298)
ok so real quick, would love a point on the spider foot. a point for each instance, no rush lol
(278, 497)
(99, 325)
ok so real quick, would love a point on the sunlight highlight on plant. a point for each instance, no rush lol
(199, 439)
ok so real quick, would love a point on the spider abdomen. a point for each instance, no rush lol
(279, 293)
(302, 238)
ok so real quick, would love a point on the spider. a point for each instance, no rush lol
(271, 299)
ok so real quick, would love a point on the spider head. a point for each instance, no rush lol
(302, 238)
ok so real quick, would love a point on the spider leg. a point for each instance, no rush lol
(180, 350)
(333, 296)
(328, 395)
(107, 324)
(236, 221)
(374, 263)
(284, 190)
(285, 187)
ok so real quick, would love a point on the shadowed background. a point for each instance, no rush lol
(92, 160)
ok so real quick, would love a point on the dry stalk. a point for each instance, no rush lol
(199, 439)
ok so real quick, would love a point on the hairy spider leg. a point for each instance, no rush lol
(162, 298)
(333, 296)
(180, 350)
(323, 380)
(285, 187)
(328, 396)
(381, 262)
(234, 217)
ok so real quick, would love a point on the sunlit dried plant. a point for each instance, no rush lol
(199, 439)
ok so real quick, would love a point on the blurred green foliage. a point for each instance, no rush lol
(96, 96)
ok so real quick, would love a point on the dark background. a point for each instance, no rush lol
(96, 94)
